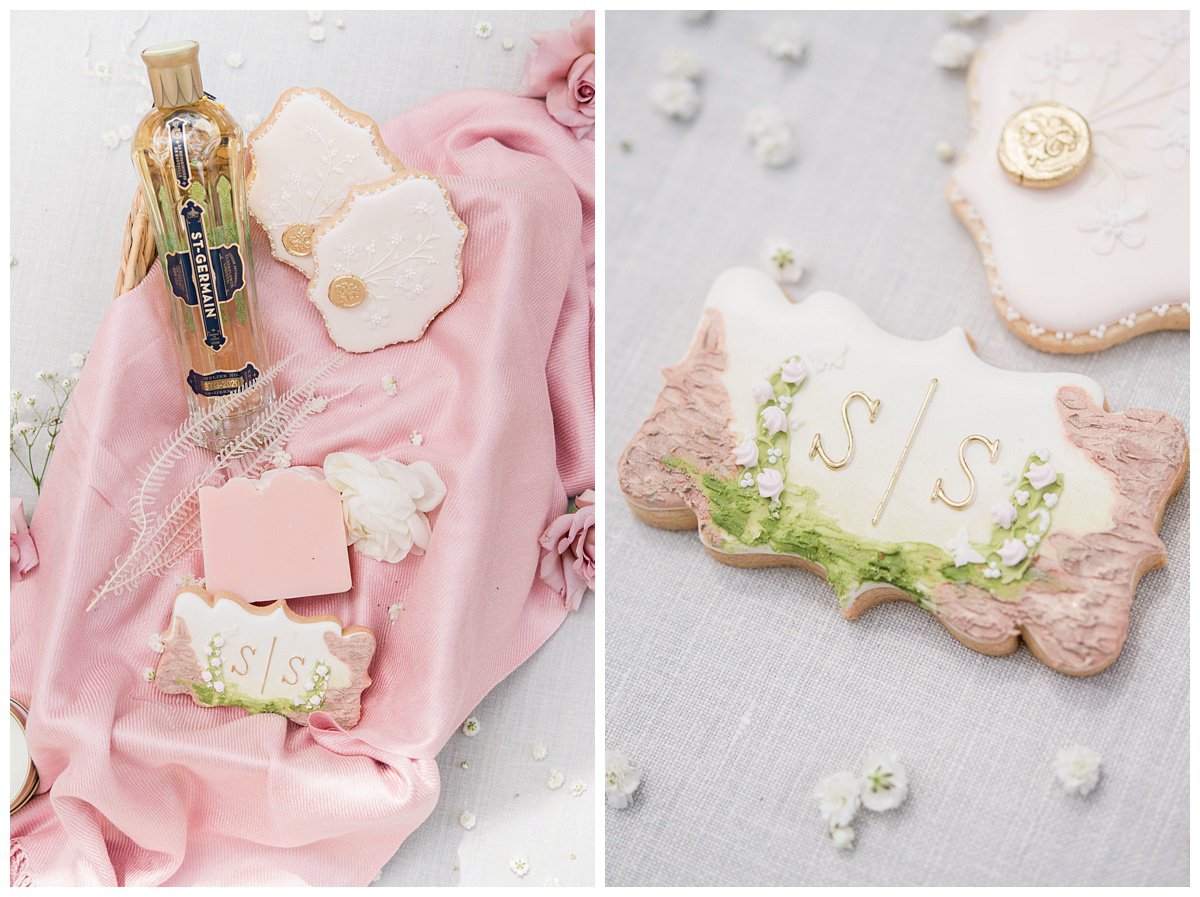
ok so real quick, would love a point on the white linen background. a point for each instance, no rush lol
(735, 690)
(61, 281)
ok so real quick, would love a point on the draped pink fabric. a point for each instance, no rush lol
(142, 788)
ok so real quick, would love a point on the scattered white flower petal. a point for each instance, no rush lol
(156, 644)
(577, 788)
(838, 797)
(388, 382)
(1077, 769)
(77, 360)
(471, 727)
(394, 611)
(785, 40)
(621, 779)
(281, 459)
(842, 837)
(885, 782)
(771, 136)
(554, 780)
(111, 139)
(680, 63)
(148, 674)
(968, 17)
(519, 866)
(538, 750)
(466, 819)
(507, 43)
(483, 29)
(416, 438)
(945, 150)
(315, 15)
(781, 260)
(676, 98)
(316, 34)
(954, 50)
(234, 60)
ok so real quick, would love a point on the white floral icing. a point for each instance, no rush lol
(1003, 514)
(746, 453)
(962, 551)
(770, 484)
(1012, 552)
(793, 371)
(1041, 475)
(774, 420)
(763, 391)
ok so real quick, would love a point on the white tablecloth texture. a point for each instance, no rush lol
(736, 690)
(70, 195)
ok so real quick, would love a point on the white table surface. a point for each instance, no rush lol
(65, 265)
(736, 690)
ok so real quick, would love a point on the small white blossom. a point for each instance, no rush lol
(142, 107)
(842, 837)
(219, 687)
(621, 779)
(388, 382)
(155, 642)
(281, 459)
(519, 866)
(483, 29)
(968, 17)
(680, 63)
(945, 150)
(1012, 552)
(555, 780)
(316, 34)
(954, 50)
(234, 60)
(466, 819)
(838, 797)
(315, 15)
(111, 139)
(394, 611)
(884, 782)
(1077, 769)
(23, 426)
(507, 43)
(781, 260)
(77, 360)
(577, 788)
(148, 674)
(125, 132)
(416, 438)
(676, 98)
(785, 41)
(538, 750)
(771, 136)
(471, 727)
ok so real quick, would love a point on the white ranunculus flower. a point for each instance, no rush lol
(884, 782)
(385, 503)
(1077, 769)
(838, 796)
(621, 779)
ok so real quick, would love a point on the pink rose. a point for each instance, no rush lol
(569, 565)
(22, 553)
(563, 70)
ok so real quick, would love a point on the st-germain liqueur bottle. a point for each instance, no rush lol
(191, 157)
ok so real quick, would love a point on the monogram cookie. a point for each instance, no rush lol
(224, 652)
(308, 155)
(1074, 182)
(1008, 505)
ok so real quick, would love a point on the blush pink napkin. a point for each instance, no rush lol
(149, 789)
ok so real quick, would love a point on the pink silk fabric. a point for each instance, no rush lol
(143, 788)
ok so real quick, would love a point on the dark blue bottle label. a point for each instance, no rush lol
(221, 383)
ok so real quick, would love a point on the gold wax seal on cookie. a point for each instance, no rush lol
(347, 291)
(297, 240)
(1045, 145)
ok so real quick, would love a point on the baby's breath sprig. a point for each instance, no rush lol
(34, 422)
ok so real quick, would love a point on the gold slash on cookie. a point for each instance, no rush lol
(887, 493)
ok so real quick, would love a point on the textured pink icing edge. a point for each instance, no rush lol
(691, 421)
(1074, 612)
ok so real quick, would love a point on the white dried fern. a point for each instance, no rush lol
(163, 537)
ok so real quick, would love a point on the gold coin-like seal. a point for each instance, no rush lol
(297, 240)
(347, 291)
(1045, 145)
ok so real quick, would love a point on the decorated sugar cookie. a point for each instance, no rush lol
(1009, 505)
(1074, 182)
(388, 263)
(308, 155)
(227, 653)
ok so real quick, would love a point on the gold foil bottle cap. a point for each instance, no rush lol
(174, 70)
(1045, 145)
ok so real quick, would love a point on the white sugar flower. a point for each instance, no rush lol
(1050, 499)
(785, 40)
(621, 779)
(762, 391)
(466, 819)
(156, 644)
(1003, 514)
(679, 63)
(1077, 769)
(962, 551)
(774, 420)
(538, 750)
(388, 382)
(676, 98)
(219, 641)
(483, 29)
(1021, 497)
(794, 370)
(234, 60)
(215, 662)
(316, 34)
(554, 780)
(206, 676)
(838, 797)
(842, 837)
(1012, 552)
(470, 728)
(884, 782)
(322, 670)
(1041, 475)
(781, 260)
(385, 503)
(954, 50)
(746, 453)
(219, 687)
(577, 788)
(1114, 220)
(519, 866)
(770, 484)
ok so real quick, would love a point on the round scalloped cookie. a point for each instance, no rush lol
(1104, 257)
